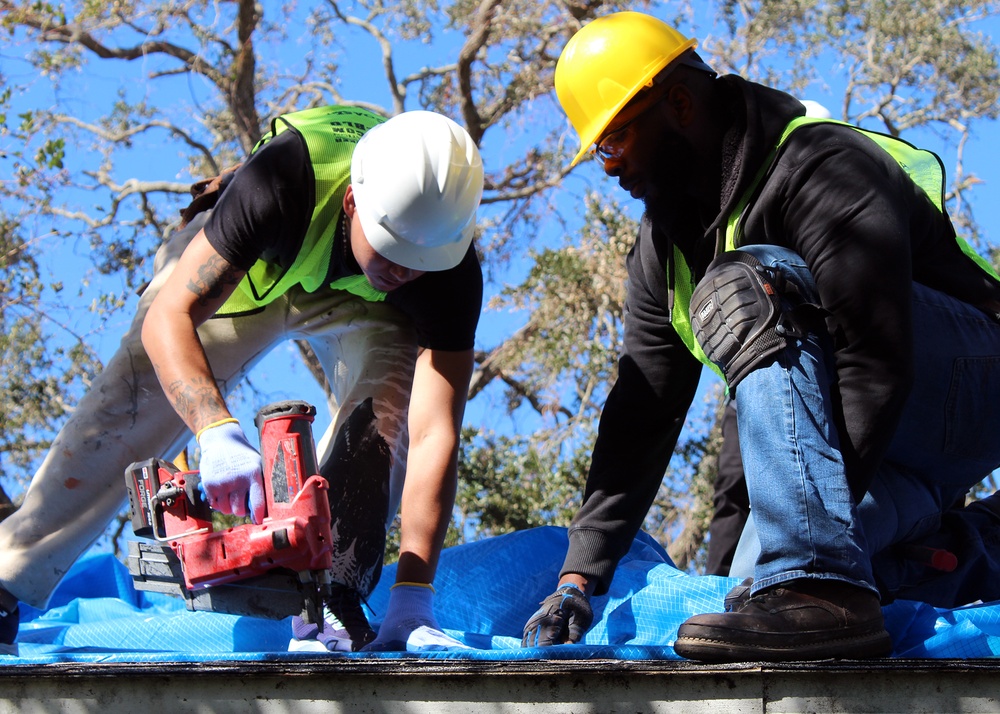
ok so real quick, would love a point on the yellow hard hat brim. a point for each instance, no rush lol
(594, 131)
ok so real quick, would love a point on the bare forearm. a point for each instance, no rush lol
(200, 283)
(437, 403)
(188, 383)
(428, 498)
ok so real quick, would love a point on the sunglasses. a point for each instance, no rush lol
(613, 145)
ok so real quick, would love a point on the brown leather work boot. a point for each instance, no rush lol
(738, 596)
(801, 620)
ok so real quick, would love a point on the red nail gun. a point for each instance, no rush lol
(274, 569)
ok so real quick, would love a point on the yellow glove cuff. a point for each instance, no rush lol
(227, 420)
(416, 585)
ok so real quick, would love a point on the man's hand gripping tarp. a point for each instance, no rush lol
(563, 618)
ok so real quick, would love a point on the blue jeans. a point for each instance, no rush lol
(804, 521)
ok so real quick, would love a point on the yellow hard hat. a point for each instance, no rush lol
(606, 63)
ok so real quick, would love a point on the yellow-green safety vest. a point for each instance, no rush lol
(924, 168)
(330, 133)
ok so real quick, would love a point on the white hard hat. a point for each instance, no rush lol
(418, 180)
(815, 109)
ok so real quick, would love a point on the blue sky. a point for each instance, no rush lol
(281, 376)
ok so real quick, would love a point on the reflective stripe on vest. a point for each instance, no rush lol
(680, 316)
(330, 133)
(923, 167)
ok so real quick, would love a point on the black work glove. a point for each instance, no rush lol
(564, 617)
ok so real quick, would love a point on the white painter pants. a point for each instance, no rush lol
(367, 351)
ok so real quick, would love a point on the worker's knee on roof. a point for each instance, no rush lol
(748, 307)
(735, 313)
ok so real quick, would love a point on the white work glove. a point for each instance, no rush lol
(409, 624)
(231, 470)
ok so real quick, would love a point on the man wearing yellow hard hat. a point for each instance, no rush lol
(813, 266)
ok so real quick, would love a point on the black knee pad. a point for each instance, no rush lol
(735, 314)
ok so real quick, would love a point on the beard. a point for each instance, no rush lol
(672, 165)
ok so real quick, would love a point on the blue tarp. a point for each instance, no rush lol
(486, 592)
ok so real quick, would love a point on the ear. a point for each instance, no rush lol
(681, 104)
(349, 206)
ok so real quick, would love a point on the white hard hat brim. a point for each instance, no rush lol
(416, 257)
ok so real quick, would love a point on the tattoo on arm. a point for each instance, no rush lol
(212, 276)
(196, 401)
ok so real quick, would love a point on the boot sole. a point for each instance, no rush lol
(862, 646)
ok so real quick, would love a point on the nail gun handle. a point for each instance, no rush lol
(287, 450)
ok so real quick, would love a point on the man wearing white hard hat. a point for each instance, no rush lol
(354, 234)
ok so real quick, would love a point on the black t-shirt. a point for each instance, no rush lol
(264, 213)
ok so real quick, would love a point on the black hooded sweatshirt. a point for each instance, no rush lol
(866, 232)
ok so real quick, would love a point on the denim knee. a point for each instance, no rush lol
(790, 263)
